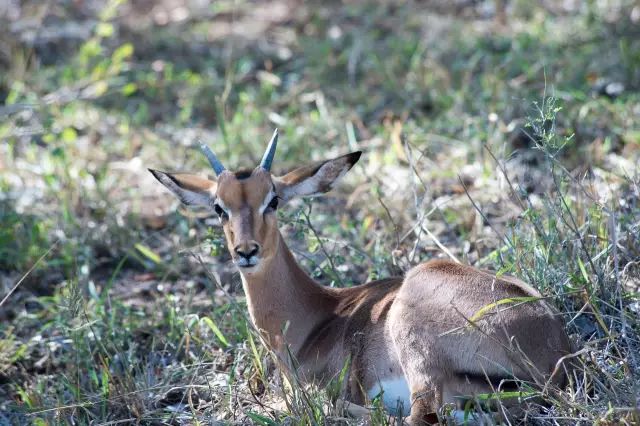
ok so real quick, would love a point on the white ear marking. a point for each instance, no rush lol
(323, 180)
(186, 196)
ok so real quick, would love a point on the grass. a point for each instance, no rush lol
(503, 146)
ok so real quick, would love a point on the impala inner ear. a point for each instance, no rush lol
(192, 190)
(315, 179)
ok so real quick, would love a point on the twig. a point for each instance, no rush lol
(4, 299)
(440, 245)
(484, 217)
(393, 222)
(575, 229)
(322, 247)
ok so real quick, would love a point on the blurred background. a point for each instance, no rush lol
(502, 133)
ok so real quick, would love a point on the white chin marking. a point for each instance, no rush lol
(247, 265)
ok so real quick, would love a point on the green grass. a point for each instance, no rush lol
(494, 144)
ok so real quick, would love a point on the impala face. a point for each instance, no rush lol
(246, 206)
(246, 201)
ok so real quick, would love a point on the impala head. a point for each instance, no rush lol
(246, 201)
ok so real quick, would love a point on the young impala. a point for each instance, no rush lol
(441, 332)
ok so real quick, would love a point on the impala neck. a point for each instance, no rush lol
(284, 303)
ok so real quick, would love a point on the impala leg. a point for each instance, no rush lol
(354, 410)
(426, 400)
(420, 365)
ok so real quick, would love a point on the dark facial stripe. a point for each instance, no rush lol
(246, 221)
(246, 217)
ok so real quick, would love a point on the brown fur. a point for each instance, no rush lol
(417, 327)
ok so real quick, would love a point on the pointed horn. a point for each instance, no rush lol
(267, 158)
(213, 160)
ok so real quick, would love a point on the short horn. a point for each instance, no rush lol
(267, 158)
(213, 160)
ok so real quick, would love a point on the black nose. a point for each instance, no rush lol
(247, 250)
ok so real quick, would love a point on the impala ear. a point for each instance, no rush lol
(315, 179)
(192, 190)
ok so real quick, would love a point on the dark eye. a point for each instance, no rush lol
(273, 204)
(220, 212)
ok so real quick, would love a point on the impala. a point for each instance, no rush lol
(441, 332)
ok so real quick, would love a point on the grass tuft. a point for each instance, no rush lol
(506, 139)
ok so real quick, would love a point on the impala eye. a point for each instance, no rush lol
(273, 204)
(220, 212)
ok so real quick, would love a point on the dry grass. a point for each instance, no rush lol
(504, 145)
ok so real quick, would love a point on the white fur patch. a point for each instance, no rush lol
(223, 207)
(471, 419)
(307, 188)
(188, 197)
(395, 395)
(266, 201)
(331, 171)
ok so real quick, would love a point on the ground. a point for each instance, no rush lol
(499, 133)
